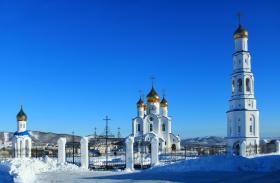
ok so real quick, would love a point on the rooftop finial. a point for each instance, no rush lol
(140, 94)
(239, 17)
(163, 92)
(152, 79)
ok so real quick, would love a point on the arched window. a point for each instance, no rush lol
(239, 85)
(252, 125)
(138, 127)
(163, 127)
(151, 127)
(232, 87)
(248, 85)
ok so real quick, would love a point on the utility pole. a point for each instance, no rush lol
(73, 147)
(119, 132)
(95, 134)
(106, 139)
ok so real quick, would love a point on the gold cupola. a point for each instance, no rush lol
(153, 97)
(21, 116)
(240, 32)
(140, 103)
(163, 102)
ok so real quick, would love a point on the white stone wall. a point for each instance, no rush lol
(61, 150)
(129, 153)
(84, 153)
(22, 146)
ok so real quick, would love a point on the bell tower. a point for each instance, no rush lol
(243, 115)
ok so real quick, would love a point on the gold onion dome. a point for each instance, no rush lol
(153, 97)
(140, 103)
(21, 116)
(240, 32)
(164, 102)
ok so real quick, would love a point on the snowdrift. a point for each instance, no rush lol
(25, 170)
(267, 163)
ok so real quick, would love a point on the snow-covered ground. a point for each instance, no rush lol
(200, 169)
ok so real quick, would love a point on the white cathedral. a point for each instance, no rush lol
(153, 120)
(243, 115)
(22, 141)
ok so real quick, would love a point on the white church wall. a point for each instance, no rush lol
(241, 44)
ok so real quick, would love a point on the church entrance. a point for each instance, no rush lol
(173, 147)
(236, 149)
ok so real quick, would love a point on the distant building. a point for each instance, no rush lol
(243, 115)
(22, 142)
(153, 120)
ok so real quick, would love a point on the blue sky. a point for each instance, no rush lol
(70, 63)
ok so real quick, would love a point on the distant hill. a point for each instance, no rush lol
(204, 141)
(37, 137)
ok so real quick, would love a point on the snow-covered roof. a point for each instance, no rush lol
(25, 133)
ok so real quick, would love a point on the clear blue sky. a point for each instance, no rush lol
(70, 63)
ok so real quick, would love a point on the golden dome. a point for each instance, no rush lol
(153, 97)
(21, 116)
(163, 103)
(140, 103)
(240, 32)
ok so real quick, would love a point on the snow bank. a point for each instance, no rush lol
(25, 170)
(224, 163)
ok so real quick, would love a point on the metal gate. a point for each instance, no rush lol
(142, 154)
(105, 154)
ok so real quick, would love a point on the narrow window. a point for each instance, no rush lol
(138, 127)
(151, 127)
(232, 87)
(240, 85)
(251, 128)
(163, 127)
(239, 129)
(248, 85)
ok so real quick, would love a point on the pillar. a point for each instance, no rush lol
(243, 149)
(61, 150)
(154, 153)
(23, 148)
(29, 146)
(15, 147)
(277, 147)
(18, 148)
(129, 153)
(84, 152)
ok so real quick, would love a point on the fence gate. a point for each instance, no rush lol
(142, 154)
(106, 154)
(73, 153)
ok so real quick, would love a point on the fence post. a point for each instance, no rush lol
(243, 149)
(61, 150)
(84, 152)
(154, 159)
(129, 153)
(277, 146)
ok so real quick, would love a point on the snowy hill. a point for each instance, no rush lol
(204, 141)
(37, 137)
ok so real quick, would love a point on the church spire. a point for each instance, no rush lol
(240, 32)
